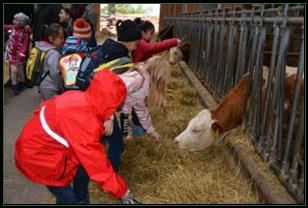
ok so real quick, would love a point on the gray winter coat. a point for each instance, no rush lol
(52, 82)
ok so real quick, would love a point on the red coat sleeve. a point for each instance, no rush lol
(153, 48)
(148, 49)
(84, 139)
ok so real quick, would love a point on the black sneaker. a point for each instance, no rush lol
(21, 86)
(15, 89)
(28, 84)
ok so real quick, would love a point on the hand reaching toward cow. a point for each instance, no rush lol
(155, 135)
(179, 41)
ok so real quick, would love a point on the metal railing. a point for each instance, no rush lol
(226, 44)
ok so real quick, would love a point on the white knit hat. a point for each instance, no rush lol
(22, 18)
(82, 29)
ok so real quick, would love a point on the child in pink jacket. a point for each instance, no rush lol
(146, 49)
(146, 85)
(16, 49)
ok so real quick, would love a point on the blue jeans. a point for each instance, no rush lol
(78, 194)
(137, 127)
(116, 146)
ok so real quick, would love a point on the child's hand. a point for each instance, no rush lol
(108, 124)
(21, 56)
(155, 135)
(179, 41)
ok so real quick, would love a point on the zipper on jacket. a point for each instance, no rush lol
(65, 161)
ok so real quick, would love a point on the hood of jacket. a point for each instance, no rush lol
(106, 93)
(44, 46)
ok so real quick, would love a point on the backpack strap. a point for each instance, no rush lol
(119, 63)
(42, 62)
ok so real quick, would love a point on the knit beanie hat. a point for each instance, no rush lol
(22, 18)
(73, 44)
(128, 31)
(82, 29)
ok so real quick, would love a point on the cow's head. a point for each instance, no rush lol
(179, 53)
(201, 132)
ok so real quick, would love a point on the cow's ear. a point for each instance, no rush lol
(216, 127)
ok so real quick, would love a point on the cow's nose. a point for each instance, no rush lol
(176, 141)
(171, 62)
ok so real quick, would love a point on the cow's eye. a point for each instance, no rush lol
(196, 130)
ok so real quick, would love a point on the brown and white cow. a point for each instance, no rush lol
(201, 131)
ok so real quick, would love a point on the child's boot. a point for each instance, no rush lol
(21, 86)
(15, 89)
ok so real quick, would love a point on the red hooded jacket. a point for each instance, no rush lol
(77, 117)
(145, 49)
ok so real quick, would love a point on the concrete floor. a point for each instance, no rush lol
(16, 111)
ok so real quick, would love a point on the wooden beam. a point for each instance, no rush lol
(97, 9)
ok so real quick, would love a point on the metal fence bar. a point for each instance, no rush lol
(291, 20)
(221, 62)
(258, 85)
(285, 163)
(279, 87)
(266, 116)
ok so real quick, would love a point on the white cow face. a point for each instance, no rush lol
(175, 55)
(199, 133)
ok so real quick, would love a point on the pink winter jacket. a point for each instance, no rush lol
(138, 84)
(17, 44)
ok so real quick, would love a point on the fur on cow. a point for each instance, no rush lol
(179, 53)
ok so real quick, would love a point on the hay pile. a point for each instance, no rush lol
(160, 173)
(241, 140)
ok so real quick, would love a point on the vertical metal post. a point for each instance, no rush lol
(285, 163)
(267, 118)
(279, 90)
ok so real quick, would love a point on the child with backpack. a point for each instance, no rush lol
(111, 55)
(50, 82)
(16, 50)
(145, 85)
(128, 36)
(78, 41)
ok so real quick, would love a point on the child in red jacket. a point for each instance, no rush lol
(60, 147)
(146, 49)
(16, 49)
